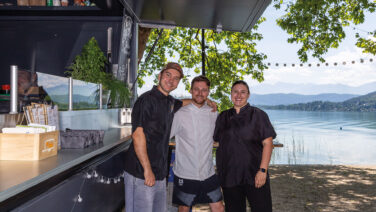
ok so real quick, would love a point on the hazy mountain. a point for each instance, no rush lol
(83, 90)
(362, 103)
(287, 99)
(312, 89)
(76, 98)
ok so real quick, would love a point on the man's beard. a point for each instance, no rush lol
(202, 102)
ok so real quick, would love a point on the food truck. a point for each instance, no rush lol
(78, 165)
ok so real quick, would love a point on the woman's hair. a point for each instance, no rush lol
(240, 82)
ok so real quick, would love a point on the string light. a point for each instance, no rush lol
(322, 64)
(93, 174)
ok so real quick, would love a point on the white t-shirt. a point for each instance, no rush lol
(193, 129)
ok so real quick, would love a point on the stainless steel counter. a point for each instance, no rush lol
(17, 176)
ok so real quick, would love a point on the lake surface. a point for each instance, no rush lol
(317, 138)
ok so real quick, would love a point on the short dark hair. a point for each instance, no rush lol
(172, 65)
(240, 82)
(201, 78)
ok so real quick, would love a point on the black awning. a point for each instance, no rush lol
(229, 15)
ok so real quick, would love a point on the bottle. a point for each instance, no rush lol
(64, 2)
(56, 3)
(5, 89)
(50, 3)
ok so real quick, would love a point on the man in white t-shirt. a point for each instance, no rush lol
(195, 181)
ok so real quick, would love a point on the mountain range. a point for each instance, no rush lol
(287, 99)
(364, 103)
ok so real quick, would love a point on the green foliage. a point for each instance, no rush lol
(230, 56)
(369, 45)
(319, 24)
(90, 66)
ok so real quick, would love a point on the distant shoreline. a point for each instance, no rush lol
(272, 108)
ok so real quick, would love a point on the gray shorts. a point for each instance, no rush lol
(142, 198)
(190, 192)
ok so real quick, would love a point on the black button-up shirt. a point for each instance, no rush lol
(154, 112)
(240, 139)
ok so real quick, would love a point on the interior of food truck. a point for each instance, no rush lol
(39, 41)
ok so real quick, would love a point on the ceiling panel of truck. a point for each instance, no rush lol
(229, 15)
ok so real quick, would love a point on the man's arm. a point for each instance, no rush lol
(210, 103)
(186, 102)
(139, 143)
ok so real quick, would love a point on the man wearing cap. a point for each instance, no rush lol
(195, 181)
(146, 159)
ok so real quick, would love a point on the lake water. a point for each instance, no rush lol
(316, 137)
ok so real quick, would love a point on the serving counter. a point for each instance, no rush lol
(74, 180)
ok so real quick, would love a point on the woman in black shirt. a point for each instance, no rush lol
(245, 137)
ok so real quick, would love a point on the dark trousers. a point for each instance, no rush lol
(259, 199)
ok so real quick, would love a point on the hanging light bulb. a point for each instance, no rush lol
(79, 198)
(326, 64)
(344, 63)
(88, 176)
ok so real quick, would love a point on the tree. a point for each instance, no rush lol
(229, 56)
(319, 24)
(315, 24)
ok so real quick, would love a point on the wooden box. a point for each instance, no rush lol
(37, 2)
(28, 146)
(22, 2)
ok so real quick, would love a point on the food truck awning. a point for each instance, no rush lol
(229, 15)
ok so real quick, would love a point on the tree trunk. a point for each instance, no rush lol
(143, 36)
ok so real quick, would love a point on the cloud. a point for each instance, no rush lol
(49, 81)
(352, 73)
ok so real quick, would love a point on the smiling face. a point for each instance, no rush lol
(168, 80)
(200, 92)
(239, 95)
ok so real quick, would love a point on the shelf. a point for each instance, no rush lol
(49, 8)
(58, 11)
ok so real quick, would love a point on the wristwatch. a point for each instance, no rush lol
(262, 170)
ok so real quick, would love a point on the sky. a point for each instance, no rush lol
(275, 46)
(279, 51)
